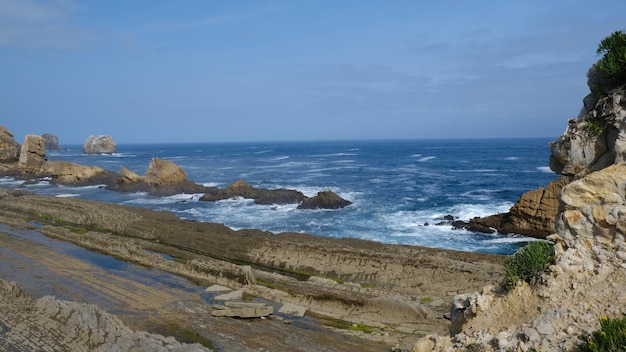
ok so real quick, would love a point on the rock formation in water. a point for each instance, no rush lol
(52, 142)
(260, 195)
(32, 154)
(163, 178)
(9, 148)
(102, 144)
(324, 200)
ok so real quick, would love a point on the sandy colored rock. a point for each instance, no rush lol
(9, 148)
(32, 154)
(162, 172)
(65, 172)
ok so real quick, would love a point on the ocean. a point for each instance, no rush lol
(400, 189)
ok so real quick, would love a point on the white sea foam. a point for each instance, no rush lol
(67, 195)
(282, 157)
(426, 158)
(545, 169)
(416, 155)
(512, 158)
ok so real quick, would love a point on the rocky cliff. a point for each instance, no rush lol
(588, 280)
(593, 141)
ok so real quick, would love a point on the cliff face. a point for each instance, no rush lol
(597, 137)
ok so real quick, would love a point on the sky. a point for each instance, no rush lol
(231, 71)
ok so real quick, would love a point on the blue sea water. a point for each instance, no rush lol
(399, 189)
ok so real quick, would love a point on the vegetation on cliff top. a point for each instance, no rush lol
(613, 63)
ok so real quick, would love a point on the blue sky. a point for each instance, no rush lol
(220, 71)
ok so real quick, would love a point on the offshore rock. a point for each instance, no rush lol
(163, 178)
(597, 137)
(32, 154)
(52, 142)
(9, 148)
(260, 195)
(324, 200)
(102, 144)
(162, 172)
(67, 173)
(532, 215)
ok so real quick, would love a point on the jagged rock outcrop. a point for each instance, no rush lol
(532, 215)
(32, 154)
(9, 148)
(593, 141)
(163, 178)
(52, 142)
(51, 325)
(324, 200)
(260, 195)
(102, 144)
(597, 137)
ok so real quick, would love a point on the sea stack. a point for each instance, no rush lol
(102, 144)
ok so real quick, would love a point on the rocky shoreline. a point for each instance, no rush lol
(393, 294)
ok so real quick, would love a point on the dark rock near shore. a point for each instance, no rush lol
(260, 195)
(324, 200)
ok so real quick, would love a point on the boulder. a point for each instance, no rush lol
(162, 172)
(243, 310)
(32, 154)
(102, 144)
(324, 200)
(9, 148)
(52, 142)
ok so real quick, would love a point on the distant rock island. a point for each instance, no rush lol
(102, 144)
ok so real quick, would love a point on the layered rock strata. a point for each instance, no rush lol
(51, 325)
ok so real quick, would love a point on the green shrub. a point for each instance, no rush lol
(528, 263)
(610, 337)
(613, 62)
(593, 129)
